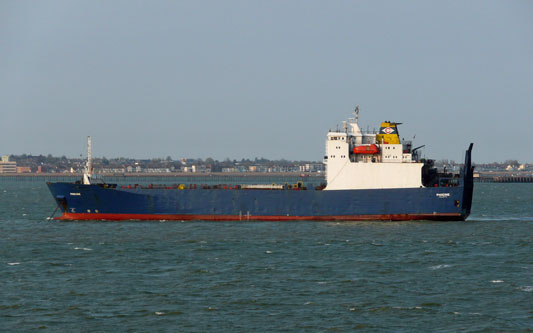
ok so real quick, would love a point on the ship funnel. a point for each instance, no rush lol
(388, 133)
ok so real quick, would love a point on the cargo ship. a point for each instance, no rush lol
(370, 176)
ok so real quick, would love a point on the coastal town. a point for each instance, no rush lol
(26, 164)
(35, 165)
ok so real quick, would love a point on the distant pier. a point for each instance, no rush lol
(503, 178)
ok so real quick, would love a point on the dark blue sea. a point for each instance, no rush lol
(264, 276)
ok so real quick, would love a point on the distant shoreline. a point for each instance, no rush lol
(481, 177)
(171, 174)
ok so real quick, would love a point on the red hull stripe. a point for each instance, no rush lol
(178, 217)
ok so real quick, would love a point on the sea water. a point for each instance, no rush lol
(267, 276)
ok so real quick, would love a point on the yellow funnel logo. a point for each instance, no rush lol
(388, 133)
(388, 130)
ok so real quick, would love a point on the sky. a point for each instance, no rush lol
(245, 79)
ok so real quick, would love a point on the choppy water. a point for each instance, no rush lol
(264, 276)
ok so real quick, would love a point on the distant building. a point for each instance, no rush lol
(197, 169)
(23, 170)
(6, 166)
(312, 167)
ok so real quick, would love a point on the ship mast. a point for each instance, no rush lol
(89, 166)
(354, 127)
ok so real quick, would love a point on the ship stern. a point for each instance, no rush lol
(468, 183)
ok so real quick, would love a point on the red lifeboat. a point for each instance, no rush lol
(366, 149)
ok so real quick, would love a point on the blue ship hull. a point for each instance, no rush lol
(100, 202)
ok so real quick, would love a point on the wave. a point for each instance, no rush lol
(500, 218)
(83, 248)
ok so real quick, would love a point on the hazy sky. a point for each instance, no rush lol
(263, 78)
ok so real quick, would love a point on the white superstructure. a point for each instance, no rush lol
(363, 160)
